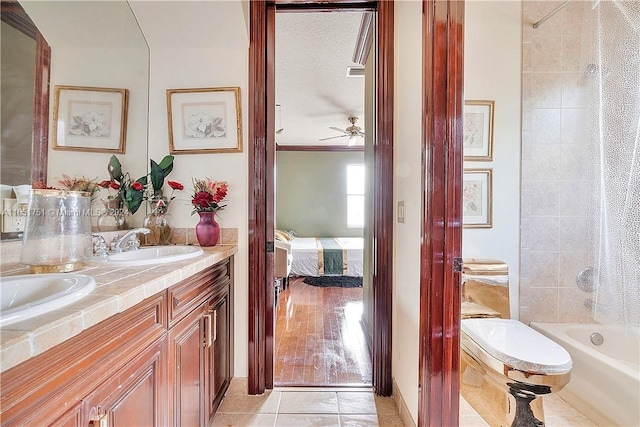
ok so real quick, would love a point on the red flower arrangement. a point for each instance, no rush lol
(207, 195)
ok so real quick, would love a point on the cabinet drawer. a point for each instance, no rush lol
(78, 365)
(190, 293)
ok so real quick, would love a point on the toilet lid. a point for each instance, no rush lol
(517, 345)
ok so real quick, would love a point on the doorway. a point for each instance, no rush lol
(261, 179)
(322, 129)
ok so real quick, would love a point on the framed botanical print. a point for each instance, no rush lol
(478, 130)
(476, 198)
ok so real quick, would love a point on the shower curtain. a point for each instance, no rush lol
(611, 67)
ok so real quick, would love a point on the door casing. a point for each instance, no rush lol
(261, 180)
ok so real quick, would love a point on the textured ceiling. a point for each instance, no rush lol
(313, 51)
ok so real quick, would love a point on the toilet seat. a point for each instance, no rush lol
(518, 346)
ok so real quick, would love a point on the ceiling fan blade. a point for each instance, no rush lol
(338, 129)
(332, 137)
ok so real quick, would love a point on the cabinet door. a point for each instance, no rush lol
(134, 395)
(219, 352)
(74, 417)
(187, 365)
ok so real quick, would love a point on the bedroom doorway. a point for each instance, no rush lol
(262, 131)
(324, 107)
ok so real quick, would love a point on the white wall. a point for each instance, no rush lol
(407, 125)
(195, 45)
(493, 58)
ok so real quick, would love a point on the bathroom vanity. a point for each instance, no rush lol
(150, 346)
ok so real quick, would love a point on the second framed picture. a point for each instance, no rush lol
(478, 130)
(205, 120)
(476, 198)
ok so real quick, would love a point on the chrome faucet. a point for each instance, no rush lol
(100, 249)
(129, 240)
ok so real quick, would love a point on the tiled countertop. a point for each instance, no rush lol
(117, 289)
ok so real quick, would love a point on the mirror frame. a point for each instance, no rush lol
(13, 14)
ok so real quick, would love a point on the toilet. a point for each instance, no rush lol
(506, 367)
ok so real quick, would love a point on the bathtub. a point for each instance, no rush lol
(605, 379)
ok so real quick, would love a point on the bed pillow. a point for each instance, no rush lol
(283, 236)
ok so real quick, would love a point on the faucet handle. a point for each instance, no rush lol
(100, 248)
(133, 244)
(114, 244)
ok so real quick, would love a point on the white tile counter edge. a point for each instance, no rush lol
(118, 289)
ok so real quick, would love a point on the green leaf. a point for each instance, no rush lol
(167, 165)
(157, 176)
(133, 199)
(115, 169)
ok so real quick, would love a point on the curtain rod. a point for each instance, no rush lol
(550, 14)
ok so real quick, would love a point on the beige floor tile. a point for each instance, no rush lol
(242, 403)
(243, 420)
(313, 402)
(472, 421)
(578, 420)
(390, 421)
(356, 403)
(386, 405)
(358, 420)
(307, 420)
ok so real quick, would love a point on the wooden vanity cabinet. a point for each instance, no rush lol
(200, 345)
(166, 361)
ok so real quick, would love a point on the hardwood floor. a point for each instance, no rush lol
(319, 341)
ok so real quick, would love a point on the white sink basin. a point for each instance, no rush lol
(27, 296)
(152, 255)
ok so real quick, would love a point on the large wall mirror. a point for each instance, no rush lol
(93, 44)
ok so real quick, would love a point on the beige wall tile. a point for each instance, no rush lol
(544, 269)
(546, 53)
(544, 233)
(546, 90)
(544, 198)
(571, 53)
(544, 305)
(546, 125)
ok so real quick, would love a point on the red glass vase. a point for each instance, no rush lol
(207, 229)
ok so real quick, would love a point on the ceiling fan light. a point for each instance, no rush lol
(352, 140)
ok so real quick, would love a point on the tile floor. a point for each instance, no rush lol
(311, 407)
(347, 407)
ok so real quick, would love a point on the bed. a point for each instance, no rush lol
(339, 256)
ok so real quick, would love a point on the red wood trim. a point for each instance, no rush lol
(270, 170)
(383, 205)
(439, 371)
(319, 148)
(259, 284)
(257, 195)
(13, 14)
(40, 133)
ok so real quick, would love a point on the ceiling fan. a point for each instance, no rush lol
(352, 131)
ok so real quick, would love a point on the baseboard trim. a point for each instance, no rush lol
(401, 405)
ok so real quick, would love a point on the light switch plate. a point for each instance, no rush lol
(400, 212)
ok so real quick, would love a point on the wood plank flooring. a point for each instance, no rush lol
(319, 341)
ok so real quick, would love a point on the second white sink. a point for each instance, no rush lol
(152, 255)
(27, 296)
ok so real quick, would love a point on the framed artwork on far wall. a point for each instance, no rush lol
(90, 119)
(478, 131)
(204, 120)
(476, 198)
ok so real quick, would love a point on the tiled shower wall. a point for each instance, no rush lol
(554, 188)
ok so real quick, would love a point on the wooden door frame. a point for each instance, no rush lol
(260, 216)
(439, 369)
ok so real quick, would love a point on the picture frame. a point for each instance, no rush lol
(204, 120)
(92, 119)
(477, 198)
(478, 131)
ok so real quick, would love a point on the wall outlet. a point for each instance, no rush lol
(13, 217)
(400, 211)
